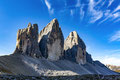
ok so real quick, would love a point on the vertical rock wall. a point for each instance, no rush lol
(27, 41)
(75, 49)
(51, 41)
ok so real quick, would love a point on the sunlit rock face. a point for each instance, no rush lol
(27, 41)
(75, 49)
(51, 41)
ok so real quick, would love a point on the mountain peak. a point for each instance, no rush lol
(54, 20)
(27, 41)
(74, 46)
(51, 41)
(29, 25)
(73, 34)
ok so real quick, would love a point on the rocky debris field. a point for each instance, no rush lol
(82, 77)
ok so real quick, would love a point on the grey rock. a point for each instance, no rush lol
(99, 63)
(75, 49)
(89, 58)
(27, 41)
(51, 41)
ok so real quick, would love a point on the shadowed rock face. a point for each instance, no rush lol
(75, 49)
(51, 41)
(27, 41)
(89, 58)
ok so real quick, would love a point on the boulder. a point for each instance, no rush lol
(75, 49)
(51, 41)
(27, 41)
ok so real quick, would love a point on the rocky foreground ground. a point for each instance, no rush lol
(83, 77)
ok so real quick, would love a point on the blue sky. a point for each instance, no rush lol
(96, 21)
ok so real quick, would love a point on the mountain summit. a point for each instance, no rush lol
(51, 41)
(75, 48)
(27, 41)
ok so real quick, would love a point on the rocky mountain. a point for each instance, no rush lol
(51, 41)
(27, 41)
(47, 54)
(75, 49)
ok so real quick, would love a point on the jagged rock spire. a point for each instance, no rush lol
(27, 41)
(75, 49)
(51, 41)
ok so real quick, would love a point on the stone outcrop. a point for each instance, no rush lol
(27, 41)
(51, 41)
(75, 49)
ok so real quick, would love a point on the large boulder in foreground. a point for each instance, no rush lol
(51, 41)
(27, 41)
(75, 49)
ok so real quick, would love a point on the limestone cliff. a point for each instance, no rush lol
(75, 49)
(51, 41)
(27, 41)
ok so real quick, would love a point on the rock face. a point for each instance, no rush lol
(51, 41)
(75, 49)
(27, 41)
(89, 58)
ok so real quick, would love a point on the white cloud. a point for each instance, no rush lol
(118, 8)
(107, 15)
(94, 10)
(82, 12)
(110, 2)
(109, 57)
(71, 12)
(116, 15)
(103, 2)
(111, 15)
(1, 54)
(117, 20)
(111, 60)
(48, 4)
(99, 1)
(115, 37)
(96, 14)
(51, 11)
(78, 3)
(80, 6)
